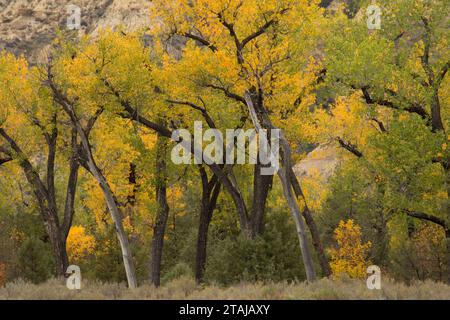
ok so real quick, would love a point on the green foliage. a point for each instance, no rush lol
(403, 160)
(272, 257)
(178, 271)
(36, 260)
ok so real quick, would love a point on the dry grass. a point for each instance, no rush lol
(185, 288)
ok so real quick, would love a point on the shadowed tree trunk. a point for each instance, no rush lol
(210, 194)
(162, 213)
(261, 187)
(74, 166)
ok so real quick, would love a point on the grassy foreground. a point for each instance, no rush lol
(185, 288)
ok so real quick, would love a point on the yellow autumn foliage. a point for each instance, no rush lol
(351, 255)
(79, 244)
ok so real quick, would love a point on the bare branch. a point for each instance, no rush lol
(349, 147)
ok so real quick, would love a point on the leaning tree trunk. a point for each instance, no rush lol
(162, 213)
(108, 194)
(284, 173)
(315, 236)
(117, 218)
(299, 224)
(317, 243)
(92, 167)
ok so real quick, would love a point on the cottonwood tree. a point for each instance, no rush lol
(247, 54)
(395, 116)
(78, 101)
(30, 120)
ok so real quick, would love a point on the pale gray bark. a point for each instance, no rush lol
(106, 189)
(113, 208)
(284, 175)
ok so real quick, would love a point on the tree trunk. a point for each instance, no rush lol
(58, 244)
(117, 218)
(303, 240)
(210, 194)
(92, 167)
(47, 204)
(315, 236)
(74, 166)
(284, 174)
(317, 242)
(162, 212)
(261, 187)
(436, 119)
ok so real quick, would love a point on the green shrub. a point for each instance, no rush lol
(36, 260)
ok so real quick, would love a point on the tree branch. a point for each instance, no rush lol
(204, 112)
(443, 72)
(386, 103)
(201, 40)
(349, 147)
(227, 93)
(427, 217)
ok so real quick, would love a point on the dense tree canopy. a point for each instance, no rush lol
(86, 139)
